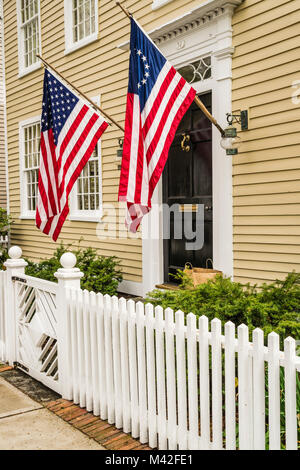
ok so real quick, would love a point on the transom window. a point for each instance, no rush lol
(31, 164)
(197, 71)
(88, 185)
(81, 23)
(29, 34)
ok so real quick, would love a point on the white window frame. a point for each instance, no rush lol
(70, 45)
(21, 52)
(25, 212)
(86, 215)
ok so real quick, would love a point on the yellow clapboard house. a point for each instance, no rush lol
(240, 56)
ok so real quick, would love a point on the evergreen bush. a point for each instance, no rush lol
(101, 273)
(271, 307)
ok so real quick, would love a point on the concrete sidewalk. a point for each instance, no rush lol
(26, 425)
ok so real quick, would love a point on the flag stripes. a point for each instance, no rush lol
(70, 132)
(158, 97)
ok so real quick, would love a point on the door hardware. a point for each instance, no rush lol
(184, 147)
(188, 208)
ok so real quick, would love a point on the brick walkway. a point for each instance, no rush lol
(105, 434)
(4, 368)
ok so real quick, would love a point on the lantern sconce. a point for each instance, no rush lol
(231, 141)
(120, 153)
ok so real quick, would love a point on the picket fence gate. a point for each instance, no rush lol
(168, 379)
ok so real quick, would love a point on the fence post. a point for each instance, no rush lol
(15, 267)
(68, 277)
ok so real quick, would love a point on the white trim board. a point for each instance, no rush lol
(131, 288)
(156, 4)
(193, 19)
(209, 34)
(4, 107)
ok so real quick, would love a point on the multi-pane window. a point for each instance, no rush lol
(88, 185)
(84, 19)
(31, 163)
(29, 33)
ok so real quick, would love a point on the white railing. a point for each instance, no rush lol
(170, 380)
(4, 240)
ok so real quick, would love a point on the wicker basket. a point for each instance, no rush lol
(200, 275)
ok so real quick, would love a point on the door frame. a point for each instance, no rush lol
(209, 35)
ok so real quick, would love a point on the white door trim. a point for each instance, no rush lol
(210, 34)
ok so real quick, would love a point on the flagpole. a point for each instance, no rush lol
(197, 99)
(81, 93)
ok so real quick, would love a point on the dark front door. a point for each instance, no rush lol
(187, 184)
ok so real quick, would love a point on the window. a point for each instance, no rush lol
(81, 23)
(88, 191)
(86, 197)
(28, 35)
(30, 132)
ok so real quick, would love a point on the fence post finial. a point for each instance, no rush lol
(68, 277)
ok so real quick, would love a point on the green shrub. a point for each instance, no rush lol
(273, 307)
(101, 274)
(5, 222)
(3, 258)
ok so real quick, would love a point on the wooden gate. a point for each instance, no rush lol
(36, 328)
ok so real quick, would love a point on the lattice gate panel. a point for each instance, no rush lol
(36, 319)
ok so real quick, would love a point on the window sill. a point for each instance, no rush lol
(78, 45)
(27, 216)
(28, 70)
(159, 3)
(95, 217)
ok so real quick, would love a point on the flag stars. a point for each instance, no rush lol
(58, 103)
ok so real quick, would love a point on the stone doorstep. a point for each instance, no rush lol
(101, 431)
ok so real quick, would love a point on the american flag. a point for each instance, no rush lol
(70, 130)
(157, 100)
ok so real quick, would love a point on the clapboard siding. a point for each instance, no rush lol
(109, 76)
(266, 174)
(3, 198)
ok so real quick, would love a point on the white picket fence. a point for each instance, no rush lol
(168, 379)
